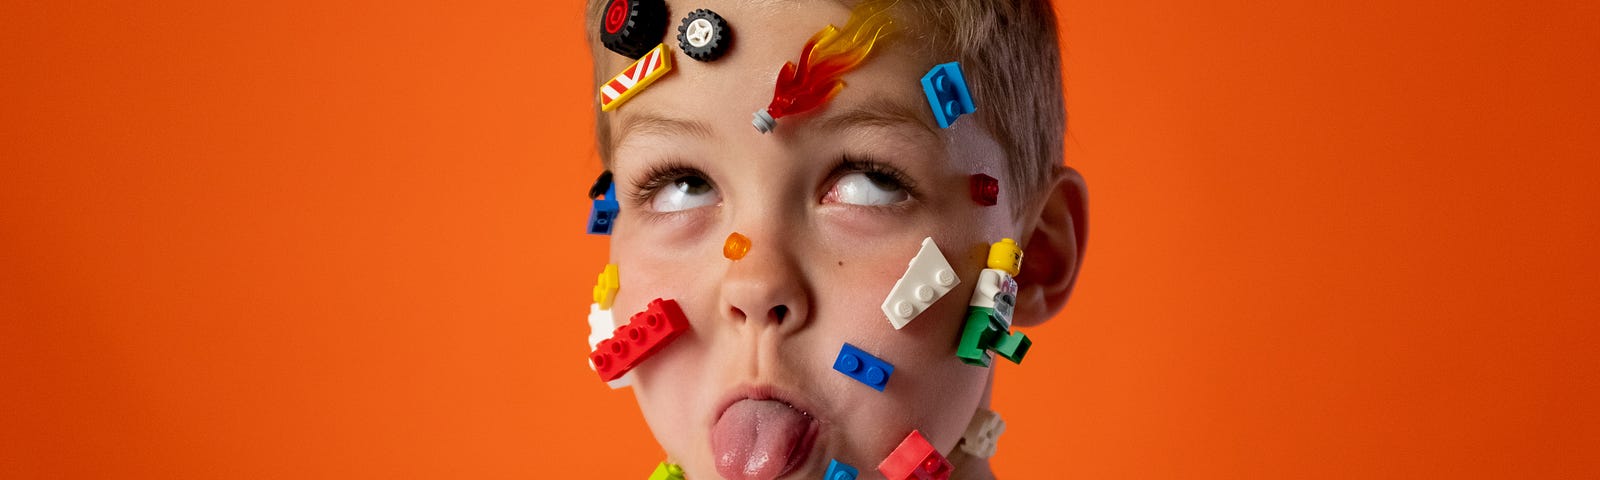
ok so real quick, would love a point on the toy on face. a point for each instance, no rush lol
(915, 458)
(645, 334)
(825, 58)
(928, 277)
(1006, 255)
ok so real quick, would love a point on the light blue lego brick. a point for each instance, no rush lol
(947, 93)
(840, 471)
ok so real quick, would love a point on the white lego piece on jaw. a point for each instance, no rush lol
(928, 277)
(996, 289)
(983, 433)
(601, 325)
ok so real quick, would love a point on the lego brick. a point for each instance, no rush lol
(605, 287)
(996, 290)
(977, 335)
(1013, 347)
(636, 77)
(703, 35)
(840, 471)
(915, 458)
(946, 89)
(646, 333)
(1005, 255)
(601, 324)
(983, 434)
(630, 27)
(928, 277)
(985, 189)
(736, 246)
(862, 366)
(603, 213)
(667, 471)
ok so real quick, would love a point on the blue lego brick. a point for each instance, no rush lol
(603, 214)
(947, 93)
(840, 471)
(863, 367)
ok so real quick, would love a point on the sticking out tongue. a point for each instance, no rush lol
(759, 439)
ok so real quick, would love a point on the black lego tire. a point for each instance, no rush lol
(633, 27)
(712, 35)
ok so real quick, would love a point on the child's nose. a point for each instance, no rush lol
(766, 288)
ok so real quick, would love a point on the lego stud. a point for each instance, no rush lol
(1005, 255)
(631, 27)
(862, 366)
(946, 89)
(985, 189)
(636, 77)
(928, 277)
(703, 35)
(736, 246)
(840, 471)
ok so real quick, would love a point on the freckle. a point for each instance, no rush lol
(841, 263)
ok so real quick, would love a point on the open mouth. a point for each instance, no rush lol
(759, 435)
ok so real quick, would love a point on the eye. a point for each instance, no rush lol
(868, 183)
(684, 192)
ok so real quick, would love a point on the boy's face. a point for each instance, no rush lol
(835, 202)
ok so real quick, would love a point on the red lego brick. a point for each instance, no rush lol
(985, 189)
(915, 458)
(645, 334)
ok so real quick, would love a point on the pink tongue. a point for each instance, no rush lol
(754, 439)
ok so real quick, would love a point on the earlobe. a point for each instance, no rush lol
(1054, 250)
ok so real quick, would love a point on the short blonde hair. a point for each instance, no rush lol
(1010, 56)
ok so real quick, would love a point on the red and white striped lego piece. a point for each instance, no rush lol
(634, 78)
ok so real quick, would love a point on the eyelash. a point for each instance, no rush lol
(663, 174)
(877, 171)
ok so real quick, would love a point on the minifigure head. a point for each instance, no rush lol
(780, 248)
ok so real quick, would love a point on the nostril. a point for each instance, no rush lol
(779, 312)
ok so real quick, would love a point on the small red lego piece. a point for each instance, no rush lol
(985, 190)
(646, 332)
(915, 458)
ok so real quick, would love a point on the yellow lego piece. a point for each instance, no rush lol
(605, 288)
(667, 471)
(1005, 255)
(632, 80)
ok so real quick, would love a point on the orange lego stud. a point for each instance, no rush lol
(736, 246)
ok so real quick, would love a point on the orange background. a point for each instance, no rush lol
(344, 240)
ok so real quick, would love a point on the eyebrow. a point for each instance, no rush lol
(878, 112)
(652, 123)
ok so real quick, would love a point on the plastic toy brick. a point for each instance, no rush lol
(630, 27)
(947, 93)
(862, 366)
(996, 290)
(736, 246)
(603, 213)
(840, 471)
(667, 471)
(645, 334)
(984, 333)
(985, 189)
(601, 324)
(915, 458)
(605, 287)
(703, 35)
(636, 77)
(928, 277)
(1006, 255)
(983, 434)
(602, 184)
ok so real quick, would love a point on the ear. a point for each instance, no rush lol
(1054, 250)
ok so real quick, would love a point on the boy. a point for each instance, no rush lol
(828, 205)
